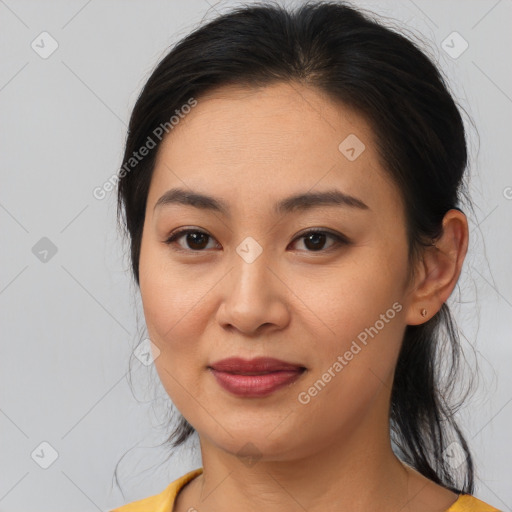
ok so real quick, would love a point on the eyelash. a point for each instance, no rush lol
(340, 240)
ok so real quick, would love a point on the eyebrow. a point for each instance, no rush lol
(299, 202)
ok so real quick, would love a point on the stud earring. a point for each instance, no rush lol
(423, 312)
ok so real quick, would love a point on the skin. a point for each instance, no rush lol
(252, 148)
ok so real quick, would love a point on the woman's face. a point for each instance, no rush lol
(252, 283)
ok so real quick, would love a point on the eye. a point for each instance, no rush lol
(195, 239)
(314, 240)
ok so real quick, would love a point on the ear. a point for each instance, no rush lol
(439, 269)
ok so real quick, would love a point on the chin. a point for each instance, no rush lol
(255, 440)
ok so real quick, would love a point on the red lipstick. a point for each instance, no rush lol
(256, 377)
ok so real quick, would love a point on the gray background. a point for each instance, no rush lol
(70, 320)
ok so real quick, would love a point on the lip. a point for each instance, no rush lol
(255, 377)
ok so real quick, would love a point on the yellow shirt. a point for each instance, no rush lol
(164, 502)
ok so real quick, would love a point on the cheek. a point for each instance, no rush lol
(169, 304)
(177, 312)
(362, 315)
(163, 307)
(356, 356)
(355, 297)
(168, 295)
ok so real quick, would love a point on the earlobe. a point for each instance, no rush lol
(440, 269)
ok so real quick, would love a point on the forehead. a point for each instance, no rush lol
(253, 145)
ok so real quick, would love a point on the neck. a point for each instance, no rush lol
(355, 469)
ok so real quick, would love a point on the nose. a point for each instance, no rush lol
(254, 298)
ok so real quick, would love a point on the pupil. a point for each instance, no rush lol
(193, 237)
(315, 236)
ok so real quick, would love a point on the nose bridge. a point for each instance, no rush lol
(250, 273)
(252, 297)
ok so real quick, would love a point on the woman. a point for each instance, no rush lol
(291, 188)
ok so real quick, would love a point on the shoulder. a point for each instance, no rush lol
(163, 501)
(468, 503)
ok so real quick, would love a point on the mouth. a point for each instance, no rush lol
(255, 378)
